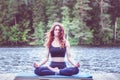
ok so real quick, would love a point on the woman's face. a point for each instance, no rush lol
(56, 31)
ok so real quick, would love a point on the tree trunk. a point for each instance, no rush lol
(114, 34)
(26, 2)
(101, 15)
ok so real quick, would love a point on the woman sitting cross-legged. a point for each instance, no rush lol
(57, 47)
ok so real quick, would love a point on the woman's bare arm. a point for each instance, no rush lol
(70, 59)
(44, 60)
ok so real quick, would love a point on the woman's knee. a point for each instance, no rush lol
(69, 71)
(36, 71)
(76, 70)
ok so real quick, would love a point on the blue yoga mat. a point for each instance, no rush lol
(32, 75)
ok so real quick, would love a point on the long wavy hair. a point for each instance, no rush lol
(50, 35)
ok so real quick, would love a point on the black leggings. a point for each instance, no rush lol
(67, 71)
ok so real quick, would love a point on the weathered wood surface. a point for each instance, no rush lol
(106, 76)
(96, 76)
(8, 76)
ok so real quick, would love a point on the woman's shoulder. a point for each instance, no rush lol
(67, 43)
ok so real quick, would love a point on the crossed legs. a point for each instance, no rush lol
(68, 71)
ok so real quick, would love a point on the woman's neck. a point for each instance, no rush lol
(56, 39)
(56, 42)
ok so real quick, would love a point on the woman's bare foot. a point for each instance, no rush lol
(56, 69)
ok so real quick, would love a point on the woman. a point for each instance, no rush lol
(57, 47)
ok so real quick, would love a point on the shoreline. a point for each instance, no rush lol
(86, 46)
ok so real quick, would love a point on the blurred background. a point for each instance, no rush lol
(94, 24)
(86, 22)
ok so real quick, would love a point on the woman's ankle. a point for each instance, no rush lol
(56, 70)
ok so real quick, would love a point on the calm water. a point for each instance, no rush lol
(92, 60)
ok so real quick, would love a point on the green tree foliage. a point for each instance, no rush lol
(114, 12)
(100, 22)
(118, 30)
(79, 29)
(17, 22)
(25, 22)
(105, 21)
(38, 35)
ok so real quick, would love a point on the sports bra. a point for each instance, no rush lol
(57, 51)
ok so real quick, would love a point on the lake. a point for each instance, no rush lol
(92, 59)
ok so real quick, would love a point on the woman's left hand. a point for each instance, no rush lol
(77, 64)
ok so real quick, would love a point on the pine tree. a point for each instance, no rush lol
(100, 22)
(114, 11)
(79, 29)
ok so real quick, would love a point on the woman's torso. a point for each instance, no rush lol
(57, 53)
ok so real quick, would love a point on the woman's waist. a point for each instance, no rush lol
(57, 64)
(58, 59)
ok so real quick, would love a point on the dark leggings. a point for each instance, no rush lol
(67, 71)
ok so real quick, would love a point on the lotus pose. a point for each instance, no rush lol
(57, 47)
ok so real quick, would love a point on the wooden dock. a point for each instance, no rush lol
(96, 76)
(106, 76)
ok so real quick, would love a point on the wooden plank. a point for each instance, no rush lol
(106, 76)
(113, 76)
(116, 75)
(97, 77)
(7, 76)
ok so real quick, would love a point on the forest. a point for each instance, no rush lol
(86, 22)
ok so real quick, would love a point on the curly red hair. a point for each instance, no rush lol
(50, 35)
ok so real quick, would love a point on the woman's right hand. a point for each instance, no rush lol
(36, 65)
